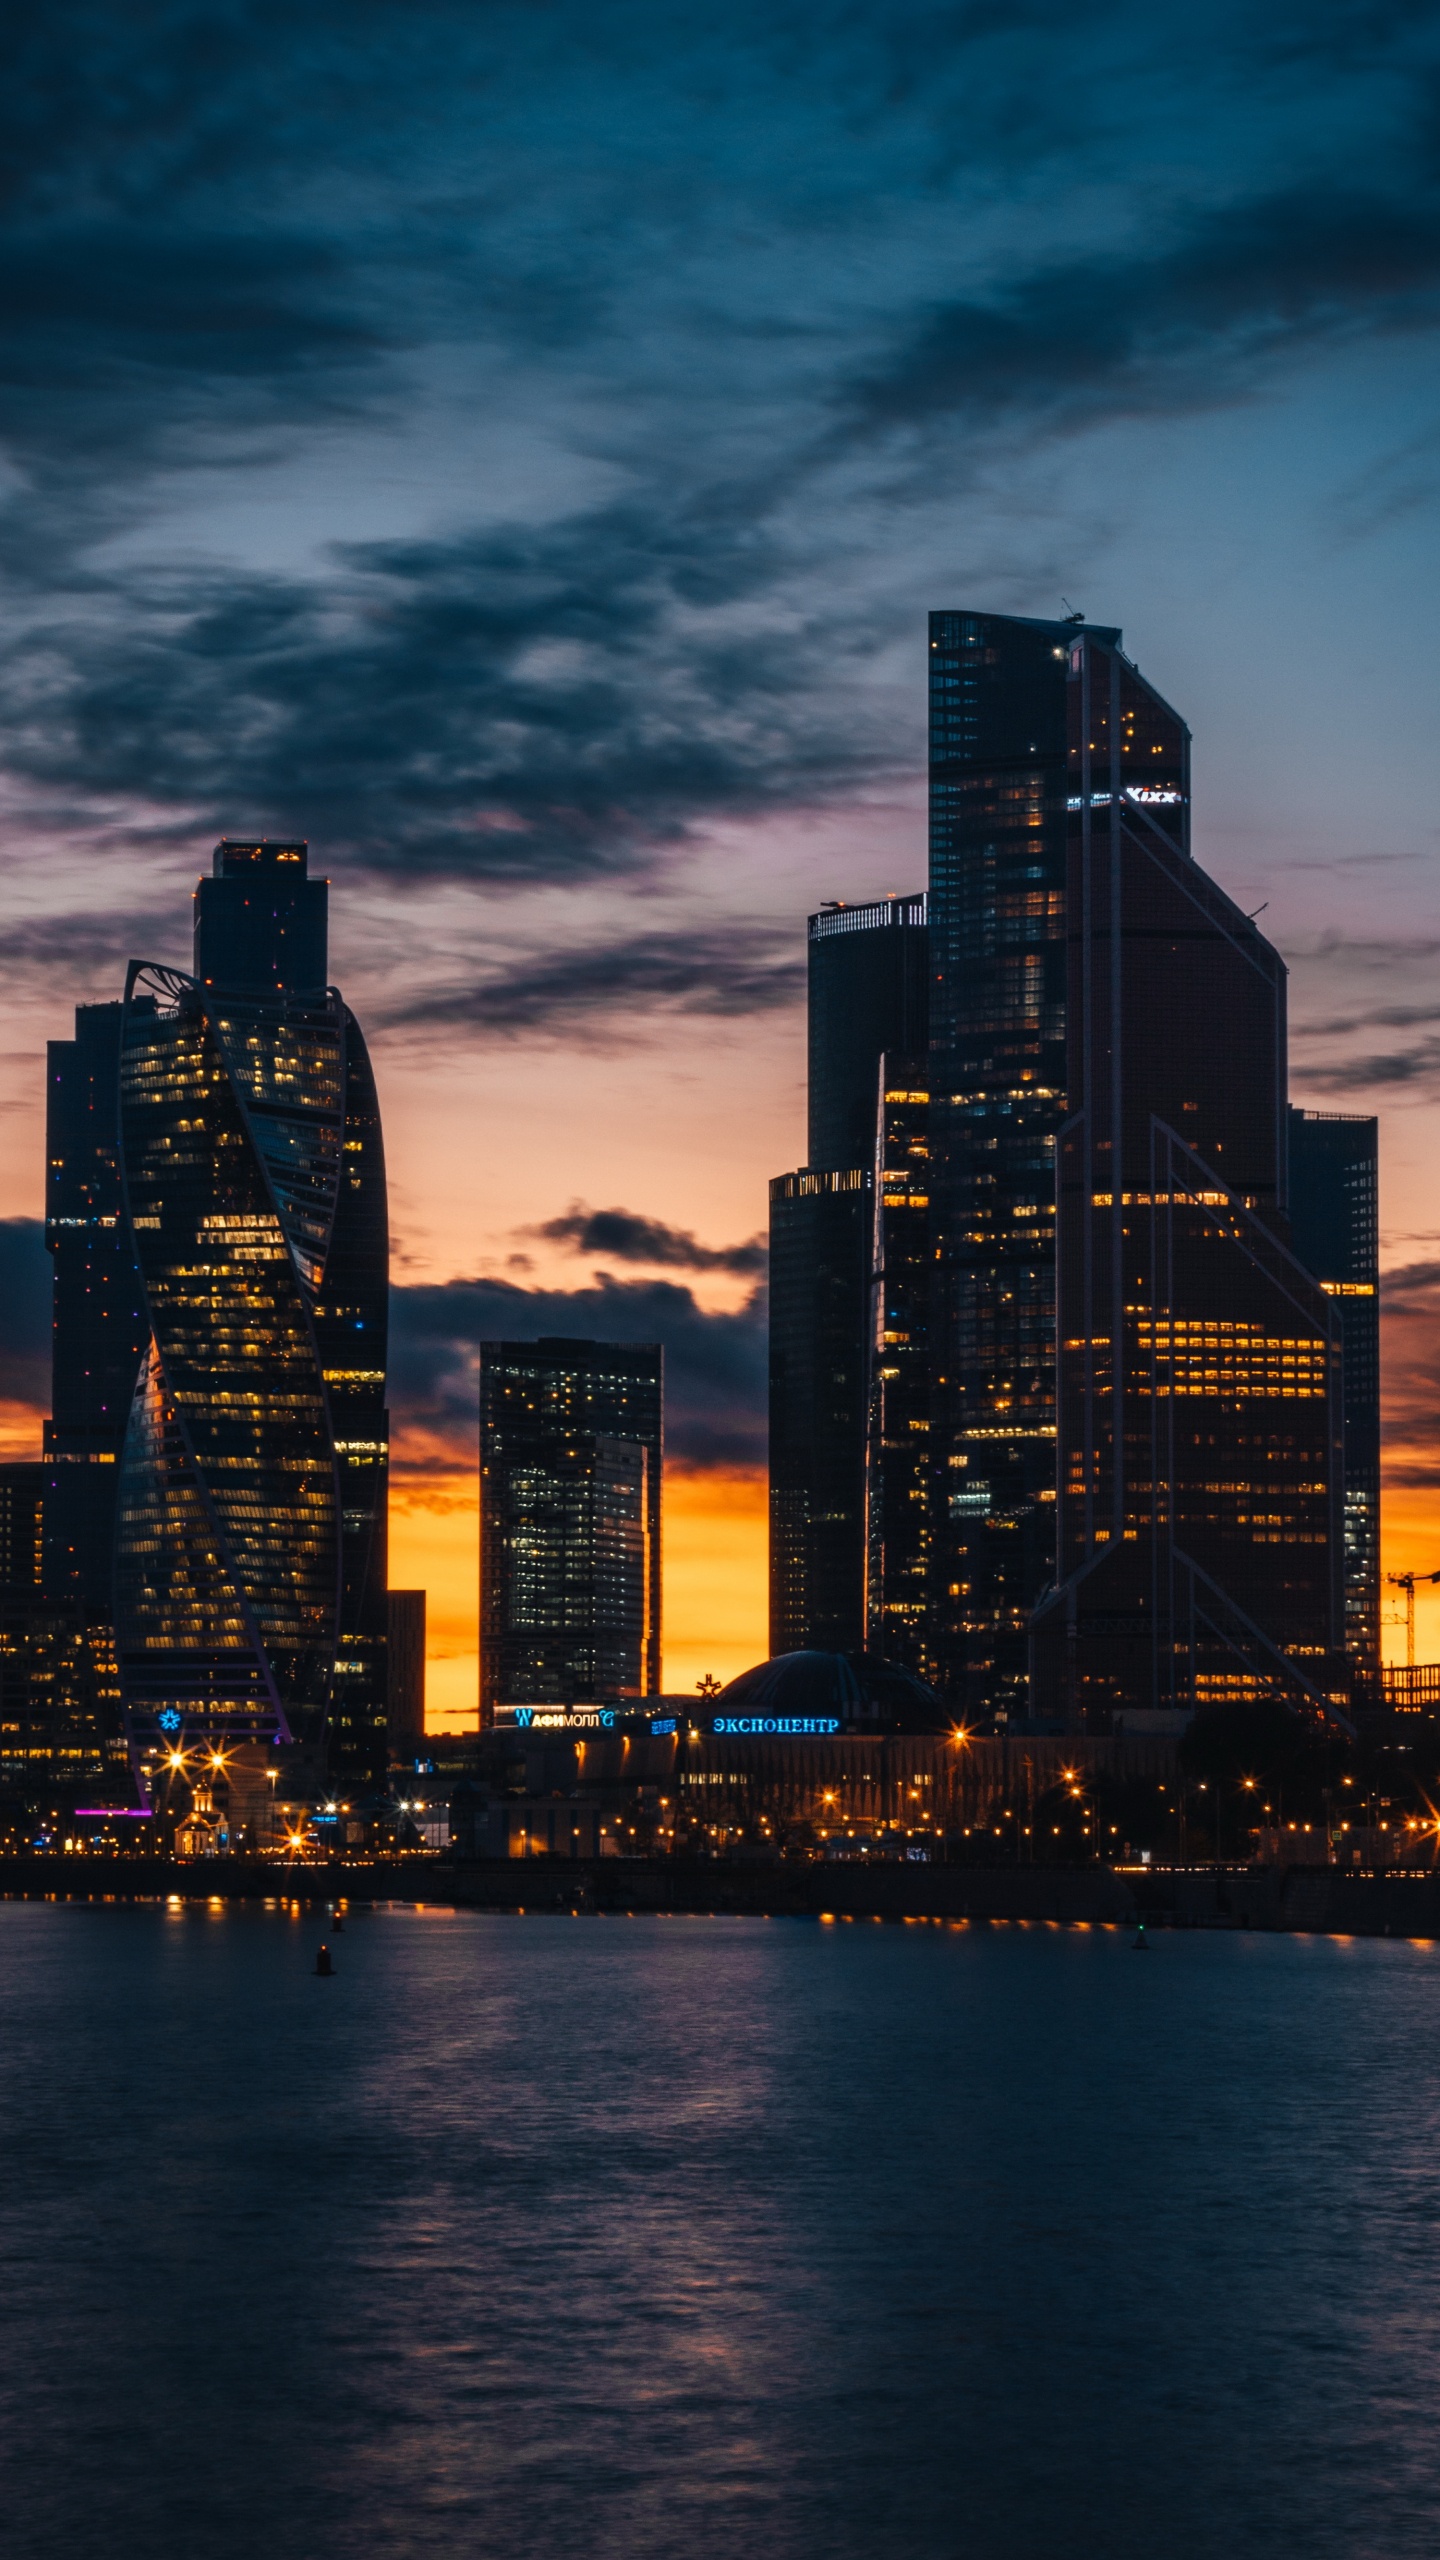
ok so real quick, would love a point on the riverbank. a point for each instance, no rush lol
(1333, 1901)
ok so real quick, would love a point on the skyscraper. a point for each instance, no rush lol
(868, 995)
(820, 1248)
(59, 1698)
(405, 1646)
(22, 1513)
(999, 785)
(571, 1472)
(868, 991)
(250, 1587)
(897, 1467)
(100, 1330)
(1200, 1431)
(1335, 1231)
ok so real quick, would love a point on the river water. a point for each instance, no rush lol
(726, 2239)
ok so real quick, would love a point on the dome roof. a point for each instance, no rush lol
(868, 1695)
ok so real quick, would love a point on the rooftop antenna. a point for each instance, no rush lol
(1072, 612)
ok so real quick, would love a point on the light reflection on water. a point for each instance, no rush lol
(535, 2237)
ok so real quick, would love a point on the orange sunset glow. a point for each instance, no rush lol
(715, 1580)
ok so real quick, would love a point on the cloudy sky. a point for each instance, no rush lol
(516, 447)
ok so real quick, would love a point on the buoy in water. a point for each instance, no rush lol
(322, 1961)
(1140, 1942)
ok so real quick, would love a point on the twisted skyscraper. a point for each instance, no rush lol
(250, 1555)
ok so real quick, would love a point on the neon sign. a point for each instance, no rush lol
(557, 1719)
(776, 1724)
(1145, 795)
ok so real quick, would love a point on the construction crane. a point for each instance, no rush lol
(1406, 1582)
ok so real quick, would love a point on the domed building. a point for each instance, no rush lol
(868, 1695)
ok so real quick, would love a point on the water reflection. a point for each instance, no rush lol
(549, 2236)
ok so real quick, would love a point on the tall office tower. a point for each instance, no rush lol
(868, 994)
(998, 791)
(820, 1246)
(868, 973)
(250, 1580)
(59, 1700)
(572, 1451)
(100, 1330)
(405, 1653)
(1200, 1429)
(22, 1513)
(1335, 1231)
(897, 1501)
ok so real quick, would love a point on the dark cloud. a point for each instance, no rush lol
(525, 703)
(707, 260)
(1181, 325)
(1383, 1017)
(628, 1238)
(740, 970)
(25, 1295)
(1410, 1286)
(715, 1365)
(1417, 1066)
(1410, 1374)
(1413, 1063)
(79, 301)
(90, 949)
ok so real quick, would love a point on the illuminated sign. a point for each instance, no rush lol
(558, 1719)
(776, 1724)
(169, 1719)
(1144, 794)
(662, 1724)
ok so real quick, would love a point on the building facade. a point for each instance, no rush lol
(897, 1460)
(868, 969)
(99, 1329)
(868, 997)
(405, 1644)
(820, 1252)
(22, 1525)
(60, 1727)
(250, 1561)
(1335, 1232)
(1200, 1430)
(999, 787)
(572, 1450)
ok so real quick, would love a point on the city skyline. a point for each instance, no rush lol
(621, 1235)
(834, 1102)
(549, 539)
(719, 1279)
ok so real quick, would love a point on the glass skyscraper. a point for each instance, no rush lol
(1335, 1230)
(897, 1464)
(251, 1554)
(100, 1328)
(820, 1247)
(999, 788)
(868, 996)
(1200, 1460)
(572, 1452)
(867, 991)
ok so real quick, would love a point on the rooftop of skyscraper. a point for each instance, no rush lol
(234, 854)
